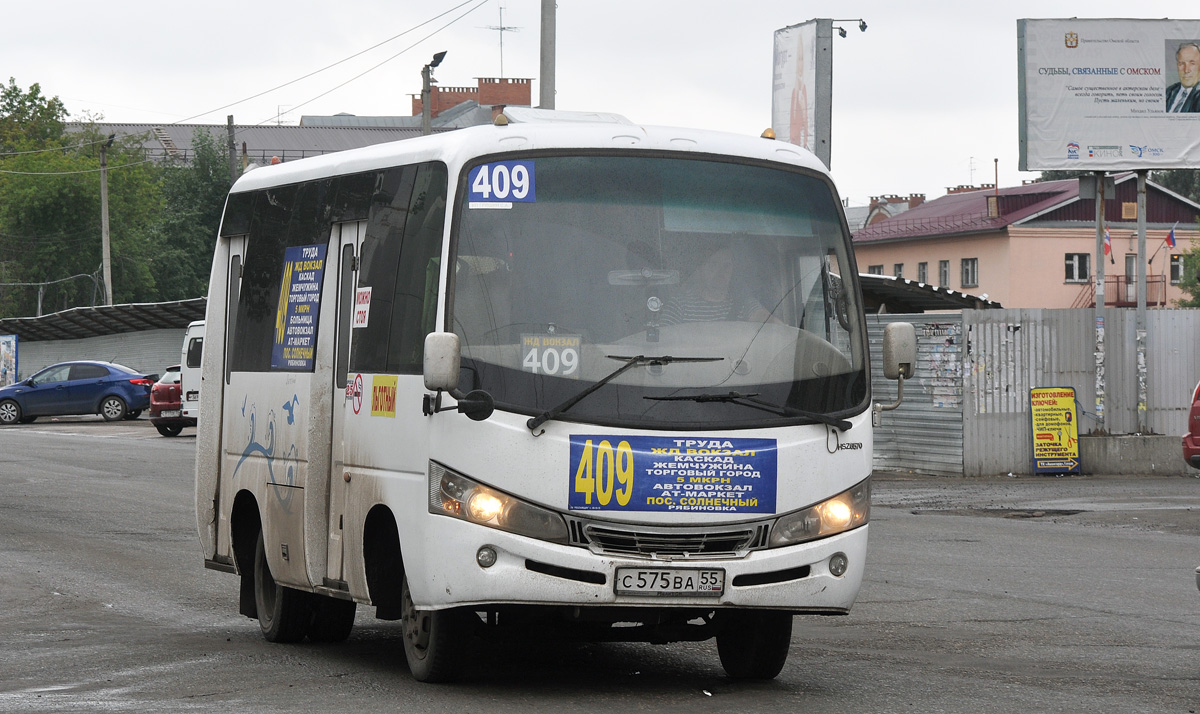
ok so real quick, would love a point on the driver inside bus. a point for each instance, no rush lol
(710, 296)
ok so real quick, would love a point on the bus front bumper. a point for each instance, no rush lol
(530, 572)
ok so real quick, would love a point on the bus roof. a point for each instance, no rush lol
(533, 131)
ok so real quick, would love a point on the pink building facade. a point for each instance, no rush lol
(1034, 246)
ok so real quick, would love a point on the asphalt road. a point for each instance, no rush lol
(981, 595)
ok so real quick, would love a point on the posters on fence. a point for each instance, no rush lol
(1055, 423)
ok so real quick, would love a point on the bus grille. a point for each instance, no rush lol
(649, 542)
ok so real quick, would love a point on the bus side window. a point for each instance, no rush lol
(413, 307)
(379, 255)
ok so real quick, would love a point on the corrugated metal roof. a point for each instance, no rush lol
(80, 322)
(900, 295)
(289, 143)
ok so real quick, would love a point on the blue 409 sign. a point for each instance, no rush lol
(660, 473)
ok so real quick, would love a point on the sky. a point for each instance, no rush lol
(924, 99)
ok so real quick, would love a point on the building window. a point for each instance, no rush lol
(875, 270)
(944, 273)
(922, 272)
(970, 272)
(898, 270)
(1176, 268)
(1078, 267)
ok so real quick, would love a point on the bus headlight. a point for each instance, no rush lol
(455, 495)
(845, 511)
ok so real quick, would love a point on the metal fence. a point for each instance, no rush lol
(966, 411)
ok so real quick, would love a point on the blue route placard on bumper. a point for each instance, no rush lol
(614, 472)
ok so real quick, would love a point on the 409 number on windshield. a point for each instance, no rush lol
(604, 472)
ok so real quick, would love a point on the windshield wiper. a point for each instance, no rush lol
(748, 400)
(630, 362)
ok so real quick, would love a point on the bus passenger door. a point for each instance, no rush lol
(343, 393)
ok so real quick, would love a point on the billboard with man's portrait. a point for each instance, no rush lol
(1108, 94)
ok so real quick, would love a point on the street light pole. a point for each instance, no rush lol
(426, 90)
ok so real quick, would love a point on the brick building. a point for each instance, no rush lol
(490, 93)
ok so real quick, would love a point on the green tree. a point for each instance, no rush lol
(1185, 182)
(194, 198)
(50, 223)
(1189, 281)
(27, 119)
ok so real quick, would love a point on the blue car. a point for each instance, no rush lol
(84, 387)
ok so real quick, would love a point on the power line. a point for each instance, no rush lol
(315, 72)
(57, 148)
(389, 59)
(74, 173)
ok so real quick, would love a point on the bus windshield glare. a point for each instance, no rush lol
(567, 268)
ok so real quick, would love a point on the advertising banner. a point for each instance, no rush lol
(299, 308)
(1108, 94)
(8, 360)
(669, 473)
(794, 95)
(1055, 423)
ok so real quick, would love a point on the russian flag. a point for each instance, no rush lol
(1171, 236)
(1107, 242)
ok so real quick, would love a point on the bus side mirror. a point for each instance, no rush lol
(899, 350)
(442, 361)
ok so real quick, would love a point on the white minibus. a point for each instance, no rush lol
(561, 372)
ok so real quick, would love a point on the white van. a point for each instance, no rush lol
(189, 369)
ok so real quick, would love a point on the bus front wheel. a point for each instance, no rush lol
(754, 644)
(283, 613)
(433, 639)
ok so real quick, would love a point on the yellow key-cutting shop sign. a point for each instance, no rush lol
(1055, 423)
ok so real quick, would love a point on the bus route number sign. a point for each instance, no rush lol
(500, 184)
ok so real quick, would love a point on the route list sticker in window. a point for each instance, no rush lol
(299, 308)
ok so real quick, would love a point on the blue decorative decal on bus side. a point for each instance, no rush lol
(667, 473)
(266, 452)
(502, 182)
(299, 308)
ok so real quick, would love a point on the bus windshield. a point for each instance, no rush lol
(730, 281)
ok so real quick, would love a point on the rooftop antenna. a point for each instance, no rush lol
(502, 28)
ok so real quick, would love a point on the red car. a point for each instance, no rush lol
(166, 407)
(1191, 440)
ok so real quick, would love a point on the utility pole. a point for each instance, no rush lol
(546, 84)
(232, 150)
(106, 253)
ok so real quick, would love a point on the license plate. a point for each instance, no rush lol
(169, 413)
(670, 581)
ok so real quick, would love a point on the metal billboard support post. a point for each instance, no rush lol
(823, 117)
(1099, 178)
(1141, 301)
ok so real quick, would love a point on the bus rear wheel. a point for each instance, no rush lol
(283, 613)
(754, 644)
(433, 639)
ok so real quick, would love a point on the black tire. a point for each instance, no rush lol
(10, 412)
(113, 408)
(133, 414)
(169, 430)
(332, 619)
(283, 613)
(754, 644)
(434, 640)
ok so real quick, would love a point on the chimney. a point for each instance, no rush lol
(915, 199)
